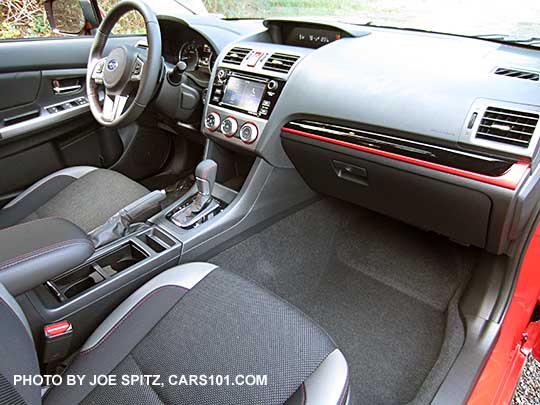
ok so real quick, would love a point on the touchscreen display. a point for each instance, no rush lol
(243, 94)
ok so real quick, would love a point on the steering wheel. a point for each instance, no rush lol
(128, 74)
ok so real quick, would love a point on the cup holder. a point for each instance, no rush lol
(76, 282)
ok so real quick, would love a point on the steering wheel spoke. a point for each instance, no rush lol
(98, 71)
(113, 107)
(137, 71)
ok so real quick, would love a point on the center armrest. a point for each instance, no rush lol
(34, 252)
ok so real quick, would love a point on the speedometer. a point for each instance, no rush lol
(190, 55)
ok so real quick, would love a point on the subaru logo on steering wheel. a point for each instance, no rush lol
(112, 65)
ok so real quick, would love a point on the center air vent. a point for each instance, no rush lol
(236, 55)
(518, 74)
(508, 126)
(280, 62)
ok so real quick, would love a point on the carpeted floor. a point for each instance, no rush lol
(381, 288)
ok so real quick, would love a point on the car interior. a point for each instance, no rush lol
(339, 206)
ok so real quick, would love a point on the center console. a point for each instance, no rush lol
(245, 89)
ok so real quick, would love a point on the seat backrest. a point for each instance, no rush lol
(18, 355)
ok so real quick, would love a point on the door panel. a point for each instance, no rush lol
(35, 139)
(52, 53)
(18, 88)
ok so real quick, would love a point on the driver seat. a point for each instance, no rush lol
(84, 195)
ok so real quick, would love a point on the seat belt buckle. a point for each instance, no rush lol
(57, 341)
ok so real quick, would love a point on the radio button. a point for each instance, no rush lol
(212, 121)
(272, 85)
(249, 132)
(229, 126)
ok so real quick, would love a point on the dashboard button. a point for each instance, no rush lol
(212, 121)
(229, 126)
(249, 132)
(272, 85)
(221, 74)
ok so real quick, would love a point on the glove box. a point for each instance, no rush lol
(462, 214)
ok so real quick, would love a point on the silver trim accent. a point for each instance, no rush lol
(326, 384)
(76, 172)
(242, 118)
(186, 276)
(211, 208)
(45, 120)
(67, 89)
(113, 107)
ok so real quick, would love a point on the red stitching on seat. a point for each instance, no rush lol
(137, 305)
(42, 251)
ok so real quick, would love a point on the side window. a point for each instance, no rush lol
(130, 24)
(23, 19)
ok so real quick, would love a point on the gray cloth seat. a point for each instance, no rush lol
(84, 195)
(195, 319)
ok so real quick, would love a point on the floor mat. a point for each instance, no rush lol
(379, 287)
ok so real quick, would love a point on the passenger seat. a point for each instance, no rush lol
(195, 319)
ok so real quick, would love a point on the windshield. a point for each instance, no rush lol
(518, 18)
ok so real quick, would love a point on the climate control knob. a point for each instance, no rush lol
(212, 121)
(229, 126)
(249, 132)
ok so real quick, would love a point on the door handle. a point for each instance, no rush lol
(349, 172)
(58, 88)
(67, 89)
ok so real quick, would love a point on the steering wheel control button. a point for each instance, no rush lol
(229, 126)
(137, 70)
(100, 66)
(212, 121)
(249, 133)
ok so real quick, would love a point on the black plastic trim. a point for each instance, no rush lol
(486, 165)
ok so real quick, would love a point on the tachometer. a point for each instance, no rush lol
(190, 55)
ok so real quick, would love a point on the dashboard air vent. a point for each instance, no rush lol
(280, 62)
(508, 126)
(236, 55)
(518, 74)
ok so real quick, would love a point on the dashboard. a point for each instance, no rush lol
(439, 131)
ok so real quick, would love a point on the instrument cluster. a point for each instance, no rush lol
(197, 56)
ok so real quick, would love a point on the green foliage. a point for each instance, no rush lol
(131, 23)
(27, 19)
(267, 8)
(23, 19)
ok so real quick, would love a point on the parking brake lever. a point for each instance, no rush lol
(117, 226)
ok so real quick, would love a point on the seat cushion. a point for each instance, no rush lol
(197, 319)
(83, 195)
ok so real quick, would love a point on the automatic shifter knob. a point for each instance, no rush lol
(205, 178)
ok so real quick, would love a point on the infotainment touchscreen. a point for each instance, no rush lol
(243, 94)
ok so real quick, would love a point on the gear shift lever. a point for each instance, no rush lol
(205, 178)
(203, 206)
